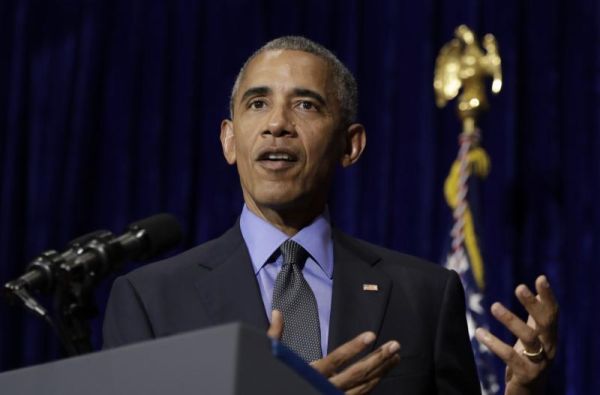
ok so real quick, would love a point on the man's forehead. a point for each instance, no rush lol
(286, 66)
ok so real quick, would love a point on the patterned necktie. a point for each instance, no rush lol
(294, 298)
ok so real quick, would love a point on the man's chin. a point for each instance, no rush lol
(286, 202)
(280, 203)
(284, 198)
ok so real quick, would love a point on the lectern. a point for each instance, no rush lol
(228, 359)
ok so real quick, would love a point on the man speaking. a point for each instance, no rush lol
(341, 303)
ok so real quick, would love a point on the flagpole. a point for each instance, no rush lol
(462, 70)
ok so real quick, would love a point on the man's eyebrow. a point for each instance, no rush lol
(310, 93)
(255, 91)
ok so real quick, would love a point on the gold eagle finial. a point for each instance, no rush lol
(462, 64)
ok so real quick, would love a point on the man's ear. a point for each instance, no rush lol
(228, 141)
(356, 141)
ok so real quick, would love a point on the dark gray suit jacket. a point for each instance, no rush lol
(417, 303)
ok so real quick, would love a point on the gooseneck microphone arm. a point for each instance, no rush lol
(72, 275)
(41, 273)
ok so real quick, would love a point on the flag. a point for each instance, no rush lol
(463, 253)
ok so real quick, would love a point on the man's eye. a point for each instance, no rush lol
(307, 105)
(257, 104)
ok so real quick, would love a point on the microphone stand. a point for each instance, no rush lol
(73, 294)
(74, 297)
(75, 307)
(71, 275)
(18, 292)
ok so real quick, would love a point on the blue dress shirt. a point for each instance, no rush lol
(263, 239)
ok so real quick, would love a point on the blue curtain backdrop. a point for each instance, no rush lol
(110, 112)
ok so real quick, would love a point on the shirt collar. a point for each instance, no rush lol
(263, 239)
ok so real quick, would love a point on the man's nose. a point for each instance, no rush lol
(280, 123)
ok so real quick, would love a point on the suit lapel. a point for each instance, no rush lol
(230, 291)
(353, 309)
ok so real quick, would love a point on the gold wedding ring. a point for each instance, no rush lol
(535, 356)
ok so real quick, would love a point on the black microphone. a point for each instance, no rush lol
(95, 254)
(41, 272)
(72, 274)
(143, 240)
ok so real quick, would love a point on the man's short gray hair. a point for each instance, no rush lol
(346, 88)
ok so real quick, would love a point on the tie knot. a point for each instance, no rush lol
(293, 253)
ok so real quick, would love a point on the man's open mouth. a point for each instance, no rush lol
(277, 159)
(278, 156)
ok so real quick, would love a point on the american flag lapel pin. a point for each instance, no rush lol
(370, 287)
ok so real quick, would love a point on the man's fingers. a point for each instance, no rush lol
(548, 301)
(338, 357)
(374, 365)
(528, 300)
(543, 307)
(501, 349)
(380, 369)
(543, 312)
(363, 375)
(364, 388)
(276, 328)
(539, 330)
(520, 329)
(543, 287)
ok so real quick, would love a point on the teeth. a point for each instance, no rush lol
(280, 156)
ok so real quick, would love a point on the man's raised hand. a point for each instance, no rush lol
(527, 361)
(359, 377)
